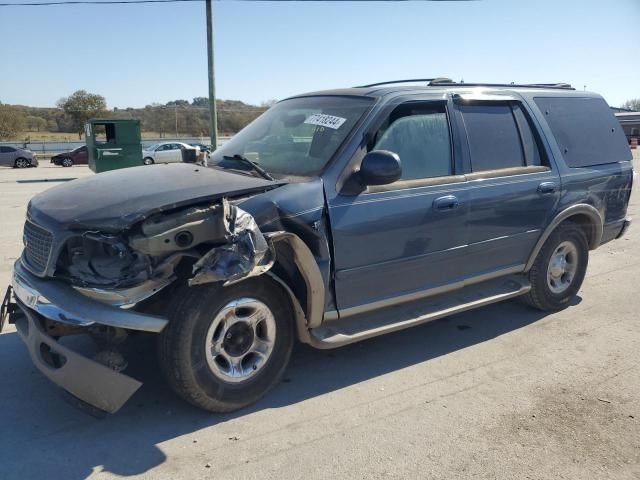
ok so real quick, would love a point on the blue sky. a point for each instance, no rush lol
(138, 54)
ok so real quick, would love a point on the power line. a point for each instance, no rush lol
(87, 2)
(120, 2)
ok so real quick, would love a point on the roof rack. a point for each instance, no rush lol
(447, 82)
(411, 80)
(442, 82)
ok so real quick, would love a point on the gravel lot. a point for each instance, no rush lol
(500, 392)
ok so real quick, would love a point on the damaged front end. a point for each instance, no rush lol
(202, 244)
(105, 284)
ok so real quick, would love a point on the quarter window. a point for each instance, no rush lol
(420, 137)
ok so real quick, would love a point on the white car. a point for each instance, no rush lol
(166, 152)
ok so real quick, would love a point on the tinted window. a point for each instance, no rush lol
(422, 142)
(7, 149)
(492, 133)
(585, 129)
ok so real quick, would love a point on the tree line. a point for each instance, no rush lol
(182, 116)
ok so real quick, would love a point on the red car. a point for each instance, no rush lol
(77, 156)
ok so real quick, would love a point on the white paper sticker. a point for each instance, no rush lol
(324, 120)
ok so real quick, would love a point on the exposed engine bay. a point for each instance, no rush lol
(219, 242)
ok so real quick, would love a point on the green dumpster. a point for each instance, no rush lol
(113, 144)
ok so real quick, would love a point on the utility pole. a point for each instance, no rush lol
(176, 110)
(213, 116)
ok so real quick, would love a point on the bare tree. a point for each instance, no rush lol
(633, 104)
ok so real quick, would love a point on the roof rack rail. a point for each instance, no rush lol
(411, 80)
(559, 85)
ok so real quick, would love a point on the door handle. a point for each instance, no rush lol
(547, 187)
(444, 204)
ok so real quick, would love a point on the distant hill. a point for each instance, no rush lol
(192, 117)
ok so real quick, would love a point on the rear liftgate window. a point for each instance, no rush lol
(586, 130)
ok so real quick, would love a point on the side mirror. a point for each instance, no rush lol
(380, 167)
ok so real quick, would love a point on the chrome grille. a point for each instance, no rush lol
(37, 246)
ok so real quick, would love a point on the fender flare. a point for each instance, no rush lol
(580, 209)
(305, 262)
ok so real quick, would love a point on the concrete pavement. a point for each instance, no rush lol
(500, 392)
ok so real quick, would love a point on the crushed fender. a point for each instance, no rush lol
(246, 253)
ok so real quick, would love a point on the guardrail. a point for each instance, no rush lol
(49, 148)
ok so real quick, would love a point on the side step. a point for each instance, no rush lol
(337, 333)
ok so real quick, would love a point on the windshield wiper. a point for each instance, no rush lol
(254, 165)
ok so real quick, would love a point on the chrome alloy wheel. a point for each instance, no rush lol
(22, 163)
(562, 267)
(240, 339)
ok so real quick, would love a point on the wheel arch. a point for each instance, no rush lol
(296, 269)
(586, 216)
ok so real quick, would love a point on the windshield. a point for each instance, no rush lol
(151, 147)
(295, 137)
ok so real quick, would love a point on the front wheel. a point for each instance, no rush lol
(67, 162)
(22, 163)
(148, 161)
(559, 268)
(225, 347)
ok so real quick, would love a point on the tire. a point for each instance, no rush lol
(67, 162)
(148, 161)
(186, 344)
(551, 289)
(22, 163)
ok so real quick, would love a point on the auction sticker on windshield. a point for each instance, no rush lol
(324, 120)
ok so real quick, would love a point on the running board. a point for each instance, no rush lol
(337, 333)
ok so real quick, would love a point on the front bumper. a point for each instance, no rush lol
(37, 299)
(60, 302)
(85, 379)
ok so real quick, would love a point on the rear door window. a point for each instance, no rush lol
(500, 136)
(492, 133)
(585, 129)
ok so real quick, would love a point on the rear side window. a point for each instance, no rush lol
(499, 136)
(585, 129)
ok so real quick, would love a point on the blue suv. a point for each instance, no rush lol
(334, 217)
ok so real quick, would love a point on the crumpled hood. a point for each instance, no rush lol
(115, 200)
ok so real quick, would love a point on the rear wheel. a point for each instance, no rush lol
(67, 162)
(148, 161)
(225, 347)
(559, 268)
(22, 163)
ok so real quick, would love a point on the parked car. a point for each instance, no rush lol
(311, 223)
(165, 152)
(77, 156)
(17, 157)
